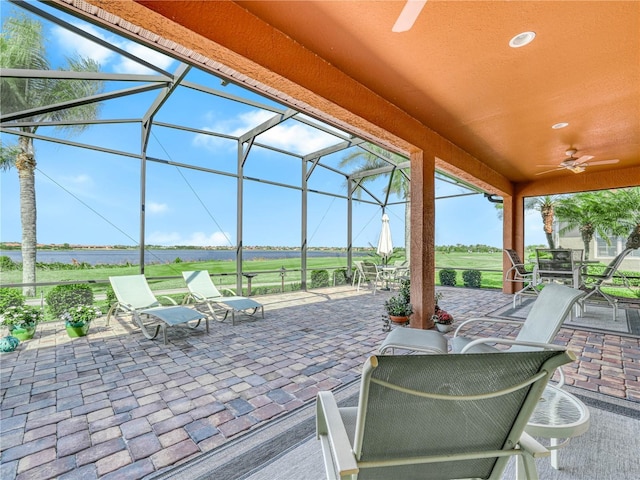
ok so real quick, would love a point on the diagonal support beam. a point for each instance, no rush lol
(162, 97)
(269, 124)
(78, 102)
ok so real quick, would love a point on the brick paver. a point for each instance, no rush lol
(116, 405)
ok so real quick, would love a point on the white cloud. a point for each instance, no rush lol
(293, 136)
(196, 239)
(72, 42)
(153, 57)
(110, 61)
(154, 207)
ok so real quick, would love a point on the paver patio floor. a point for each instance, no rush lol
(117, 405)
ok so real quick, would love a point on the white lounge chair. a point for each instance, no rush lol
(135, 297)
(438, 416)
(541, 326)
(203, 291)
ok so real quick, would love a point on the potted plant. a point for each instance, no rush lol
(399, 307)
(21, 320)
(78, 318)
(442, 319)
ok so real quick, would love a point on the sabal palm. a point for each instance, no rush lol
(22, 47)
(372, 158)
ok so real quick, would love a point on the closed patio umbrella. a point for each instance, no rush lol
(385, 244)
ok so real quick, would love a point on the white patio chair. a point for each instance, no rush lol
(203, 291)
(135, 297)
(599, 280)
(541, 326)
(519, 274)
(437, 416)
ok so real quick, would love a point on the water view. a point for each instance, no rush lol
(124, 256)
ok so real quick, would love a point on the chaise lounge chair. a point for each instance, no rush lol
(135, 297)
(438, 416)
(202, 291)
(541, 326)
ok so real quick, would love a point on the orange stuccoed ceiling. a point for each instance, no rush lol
(451, 86)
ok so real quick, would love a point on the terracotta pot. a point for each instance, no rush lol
(395, 319)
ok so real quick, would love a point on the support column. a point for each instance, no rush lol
(423, 260)
(512, 235)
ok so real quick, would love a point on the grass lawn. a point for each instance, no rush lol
(269, 278)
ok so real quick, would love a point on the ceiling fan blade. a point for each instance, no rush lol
(603, 162)
(582, 159)
(408, 15)
(549, 171)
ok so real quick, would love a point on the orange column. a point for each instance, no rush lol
(512, 235)
(422, 239)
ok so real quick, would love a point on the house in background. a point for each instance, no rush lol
(601, 249)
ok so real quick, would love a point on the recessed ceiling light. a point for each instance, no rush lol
(559, 125)
(522, 39)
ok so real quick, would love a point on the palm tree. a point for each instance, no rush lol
(546, 207)
(22, 47)
(624, 208)
(588, 212)
(373, 157)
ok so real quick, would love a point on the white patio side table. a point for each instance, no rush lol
(559, 415)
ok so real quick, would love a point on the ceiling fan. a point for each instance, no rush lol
(576, 165)
(408, 16)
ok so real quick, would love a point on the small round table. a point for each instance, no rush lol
(559, 415)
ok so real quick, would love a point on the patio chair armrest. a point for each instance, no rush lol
(532, 446)
(505, 341)
(486, 319)
(625, 280)
(224, 289)
(333, 435)
(173, 302)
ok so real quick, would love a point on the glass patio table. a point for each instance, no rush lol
(559, 415)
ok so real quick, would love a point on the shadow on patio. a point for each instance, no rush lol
(116, 405)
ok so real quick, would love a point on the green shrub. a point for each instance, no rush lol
(405, 290)
(447, 277)
(10, 297)
(111, 296)
(319, 278)
(472, 278)
(340, 276)
(60, 298)
(7, 264)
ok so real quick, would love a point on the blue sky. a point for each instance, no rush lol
(88, 197)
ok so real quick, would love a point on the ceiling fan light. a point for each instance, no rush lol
(522, 39)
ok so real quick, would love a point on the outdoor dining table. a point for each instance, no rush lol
(571, 267)
(388, 272)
